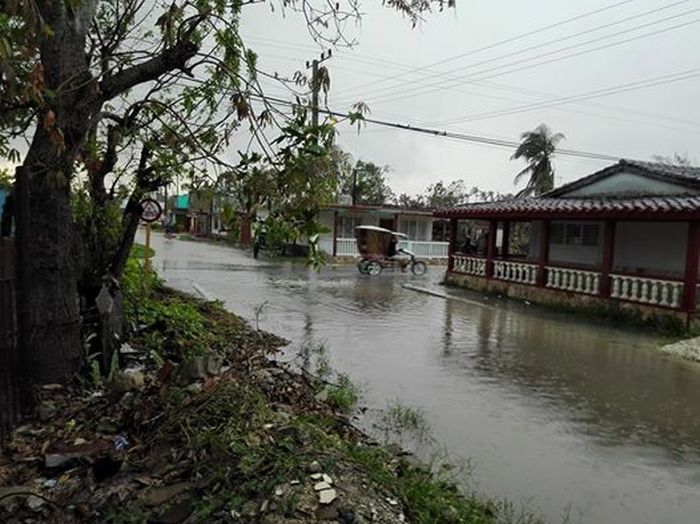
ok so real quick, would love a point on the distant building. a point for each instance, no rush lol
(624, 239)
(427, 235)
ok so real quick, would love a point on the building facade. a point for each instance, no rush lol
(624, 239)
(427, 235)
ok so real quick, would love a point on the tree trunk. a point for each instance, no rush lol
(49, 305)
(49, 266)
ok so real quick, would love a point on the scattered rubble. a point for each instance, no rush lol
(230, 437)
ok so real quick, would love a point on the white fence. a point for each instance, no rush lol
(470, 265)
(515, 272)
(647, 290)
(576, 280)
(347, 247)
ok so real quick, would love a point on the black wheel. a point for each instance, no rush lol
(419, 268)
(362, 266)
(373, 268)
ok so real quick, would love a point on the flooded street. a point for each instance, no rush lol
(561, 414)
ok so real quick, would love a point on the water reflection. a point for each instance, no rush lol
(614, 388)
(551, 408)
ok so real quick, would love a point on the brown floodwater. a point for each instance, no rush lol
(564, 415)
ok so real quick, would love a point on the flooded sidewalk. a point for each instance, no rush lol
(569, 416)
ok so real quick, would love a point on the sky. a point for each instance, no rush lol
(496, 69)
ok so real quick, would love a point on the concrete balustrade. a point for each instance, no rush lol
(575, 280)
(469, 265)
(667, 293)
(515, 272)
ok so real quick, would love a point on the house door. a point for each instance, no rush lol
(387, 223)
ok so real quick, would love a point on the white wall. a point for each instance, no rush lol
(654, 247)
(630, 183)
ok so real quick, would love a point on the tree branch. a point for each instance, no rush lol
(175, 57)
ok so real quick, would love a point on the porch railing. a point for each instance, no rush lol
(652, 291)
(470, 265)
(515, 272)
(576, 280)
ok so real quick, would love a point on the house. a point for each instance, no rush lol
(624, 239)
(427, 235)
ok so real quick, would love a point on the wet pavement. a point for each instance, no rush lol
(564, 415)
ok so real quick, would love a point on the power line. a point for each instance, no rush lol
(555, 41)
(624, 88)
(546, 103)
(477, 139)
(509, 40)
(502, 87)
(471, 78)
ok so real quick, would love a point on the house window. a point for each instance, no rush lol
(414, 229)
(574, 234)
(347, 225)
(441, 231)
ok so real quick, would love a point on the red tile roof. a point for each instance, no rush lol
(547, 207)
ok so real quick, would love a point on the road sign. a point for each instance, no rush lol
(150, 210)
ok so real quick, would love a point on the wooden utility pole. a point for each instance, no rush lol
(316, 84)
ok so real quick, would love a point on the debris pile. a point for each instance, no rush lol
(230, 436)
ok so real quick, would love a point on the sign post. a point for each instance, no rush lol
(150, 212)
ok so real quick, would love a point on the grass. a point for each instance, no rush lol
(344, 395)
(139, 251)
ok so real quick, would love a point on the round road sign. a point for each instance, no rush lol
(150, 210)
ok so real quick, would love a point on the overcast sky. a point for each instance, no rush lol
(491, 92)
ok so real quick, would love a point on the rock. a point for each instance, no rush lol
(107, 427)
(128, 380)
(279, 492)
(250, 508)
(178, 513)
(347, 515)
(392, 502)
(162, 494)
(198, 368)
(320, 486)
(52, 387)
(46, 410)
(315, 467)
(316, 476)
(79, 441)
(265, 504)
(327, 496)
(35, 503)
(294, 482)
(56, 460)
(322, 396)
(327, 479)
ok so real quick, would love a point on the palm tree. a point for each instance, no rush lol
(537, 148)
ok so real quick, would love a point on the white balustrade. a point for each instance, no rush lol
(576, 280)
(515, 272)
(469, 265)
(652, 291)
(347, 247)
(426, 249)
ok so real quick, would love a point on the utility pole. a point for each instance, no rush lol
(315, 84)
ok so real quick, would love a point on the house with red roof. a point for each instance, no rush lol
(624, 240)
